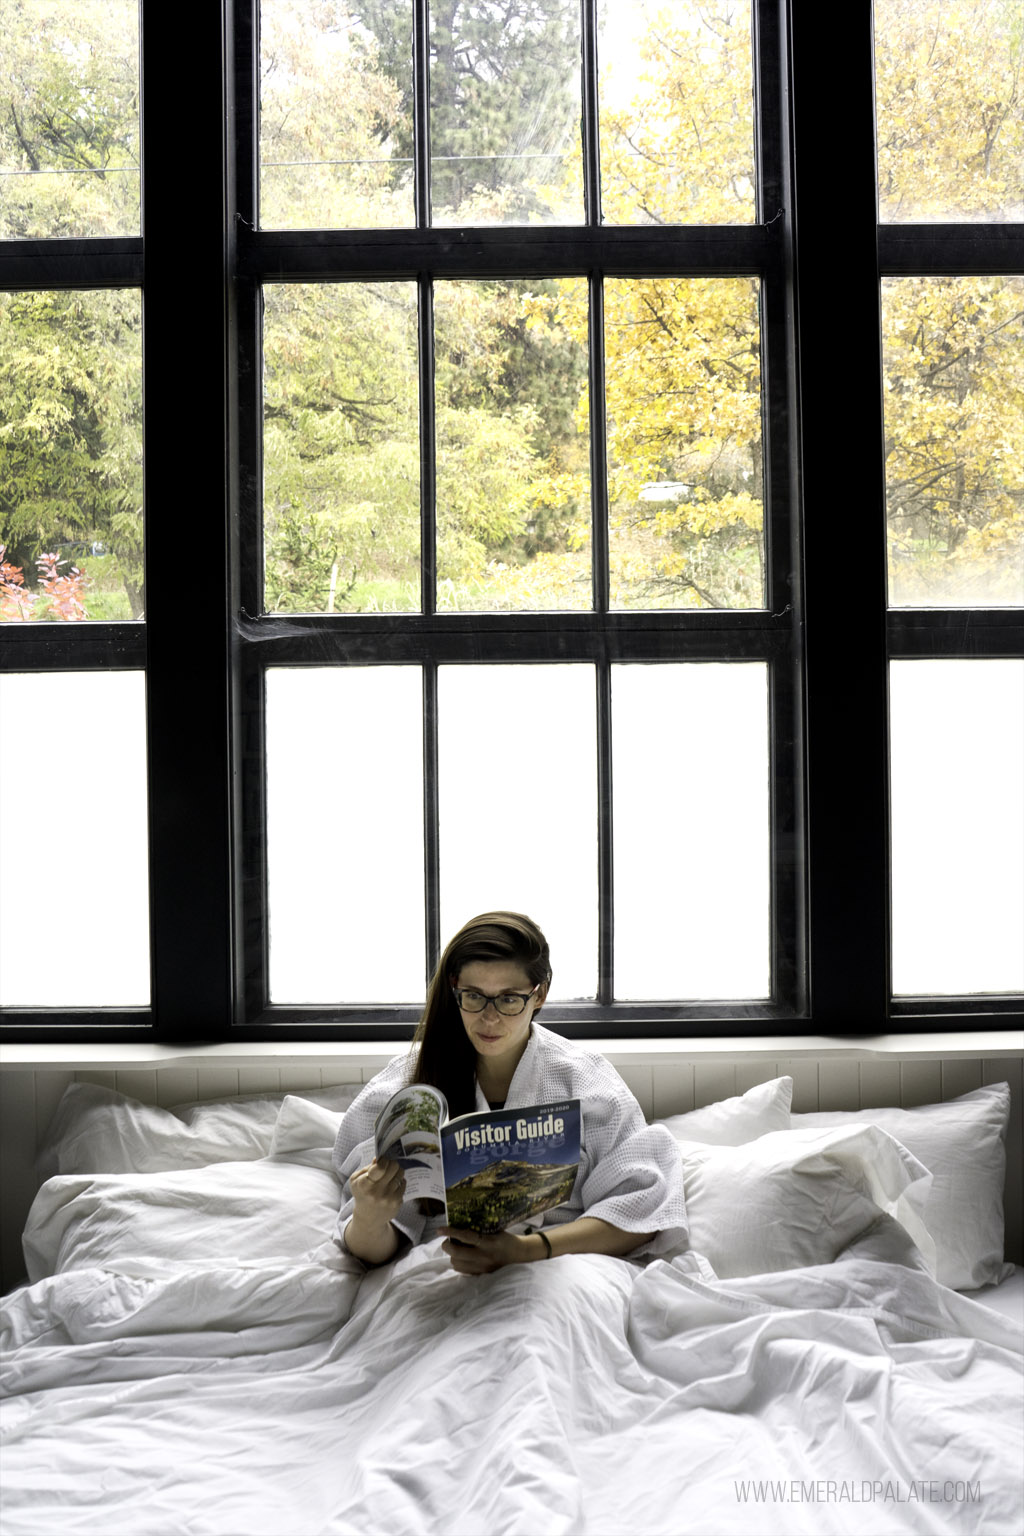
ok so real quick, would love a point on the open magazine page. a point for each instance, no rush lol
(507, 1166)
(408, 1132)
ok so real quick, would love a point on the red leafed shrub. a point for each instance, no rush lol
(16, 602)
(65, 592)
(61, 596)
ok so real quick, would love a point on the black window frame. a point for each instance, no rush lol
(204, 643)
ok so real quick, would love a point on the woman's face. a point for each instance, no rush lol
(498, 1037)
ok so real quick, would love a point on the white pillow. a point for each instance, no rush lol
(731, 1122)
(793, 1198)
(96, 1130)
(963, 1144)
(306, 1132)
(240, 1211)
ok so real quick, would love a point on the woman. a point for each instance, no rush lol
(478, 1042)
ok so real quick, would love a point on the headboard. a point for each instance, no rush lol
(667, 1077)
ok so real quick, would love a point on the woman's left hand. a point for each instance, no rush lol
(474, 1253)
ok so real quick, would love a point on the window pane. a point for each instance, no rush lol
(947, 102)
(69, 130)
(953, 351)
(518, 806)
(335, 115)
(513, 455)
(692, 842)
(341, 488)
(957, 753)
(505, 103)
(74, 903)
(683, 401)
(345, 834)
(677, 125)
(71, 459)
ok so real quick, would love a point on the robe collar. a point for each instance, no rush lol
(519, 1093)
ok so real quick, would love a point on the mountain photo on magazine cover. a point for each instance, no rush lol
(505, 1192)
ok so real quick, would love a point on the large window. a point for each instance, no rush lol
(508, 466)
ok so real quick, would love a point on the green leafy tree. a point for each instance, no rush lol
(682, 405)
(333, 126)
(71, 428)
(682, 394)
(504, 91)
(341, 454)
(69, 119)
(507, 436)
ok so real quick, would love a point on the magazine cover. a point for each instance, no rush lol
(510, 1165)
(490, 1169)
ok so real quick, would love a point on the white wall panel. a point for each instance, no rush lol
(920, 1083)
(880, 1082)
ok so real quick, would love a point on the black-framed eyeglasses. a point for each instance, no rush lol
(508, 1003)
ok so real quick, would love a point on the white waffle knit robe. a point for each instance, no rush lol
(630, 1172)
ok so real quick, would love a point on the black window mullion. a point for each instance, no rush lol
(248, 723)
(95, 647)
(783, 550)
(243, 97)
(952, 632)
(187, 694)
(421, 112)
(460, 637)
(431, 828)
(599, 538)
(768, 39)
(428, 449)
(591, 117)
(508, 251)
(248, 307)
(67, 263)
(600, 579)
(837, 295)
(605, 839)
(951, 250)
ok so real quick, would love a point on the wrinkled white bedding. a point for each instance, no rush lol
(195, 1357)
(192, 1397)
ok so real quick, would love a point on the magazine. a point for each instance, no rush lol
(490, 1168)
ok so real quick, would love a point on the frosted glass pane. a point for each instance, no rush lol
(692, 846)
(957, 789)
(74, 891)
(345, 834)
(518, 802)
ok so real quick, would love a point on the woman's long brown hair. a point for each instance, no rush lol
(446, 1058)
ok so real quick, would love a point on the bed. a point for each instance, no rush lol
(836, 1348)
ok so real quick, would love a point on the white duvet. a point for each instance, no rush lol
(193, 1359)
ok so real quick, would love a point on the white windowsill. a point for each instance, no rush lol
(124, 1057)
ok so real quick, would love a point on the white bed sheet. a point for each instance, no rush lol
(1006, 1298)
(586, 1395)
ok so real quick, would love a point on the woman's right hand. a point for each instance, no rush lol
(378, 1192)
